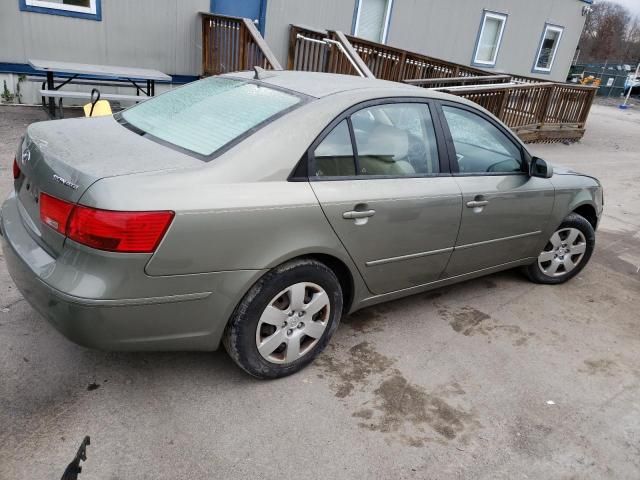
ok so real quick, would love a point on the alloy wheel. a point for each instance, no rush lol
(293, 322)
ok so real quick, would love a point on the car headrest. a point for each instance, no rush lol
(384, 141)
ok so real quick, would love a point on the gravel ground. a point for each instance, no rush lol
(495, 378)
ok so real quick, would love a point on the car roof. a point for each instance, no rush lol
(317, 84)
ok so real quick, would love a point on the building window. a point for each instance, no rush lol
(372, 19)
(489, 39)
(548, 48)
(89, 9)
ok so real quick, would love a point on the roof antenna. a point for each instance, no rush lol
(261, 73)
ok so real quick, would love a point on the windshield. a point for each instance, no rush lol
(206, 115)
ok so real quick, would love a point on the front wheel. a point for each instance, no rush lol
(566, 253)
(285, 320)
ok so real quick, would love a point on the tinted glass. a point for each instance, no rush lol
(396, 139)
(206, 115)
(334, 155)
(480, 146)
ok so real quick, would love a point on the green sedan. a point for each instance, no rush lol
(255, 210)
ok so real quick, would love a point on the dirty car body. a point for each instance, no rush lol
(377, 181)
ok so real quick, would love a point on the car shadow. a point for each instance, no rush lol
(207, 366)
(474, 288)
(78, 368)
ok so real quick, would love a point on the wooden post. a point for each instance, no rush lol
(503, 104)
(242, 47)
(545, 105)
(403, 62)
(205, 45)
(293, 41)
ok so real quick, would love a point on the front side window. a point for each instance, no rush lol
(372, 19)
(76, 8)
(548, 48)
(480, 146)
(489, 38)
(206, 115)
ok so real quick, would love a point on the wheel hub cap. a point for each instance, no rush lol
(293, 323)
(563, 253)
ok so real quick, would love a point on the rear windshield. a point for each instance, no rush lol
(206, 115)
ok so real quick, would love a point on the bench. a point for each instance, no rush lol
(115, 97)
(75, 81)
(68, 72)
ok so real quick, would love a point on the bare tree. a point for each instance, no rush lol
(610, 34)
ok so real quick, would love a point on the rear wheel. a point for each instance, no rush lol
(285, 320)
(566, 253)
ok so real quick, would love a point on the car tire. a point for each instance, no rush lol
(268, 336)
(566, 253)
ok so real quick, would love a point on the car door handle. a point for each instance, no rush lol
(355, 214)
(477, 203)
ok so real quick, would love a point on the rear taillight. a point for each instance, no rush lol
(16, 169)
(55, 212)
(134, 232)
(130, 232)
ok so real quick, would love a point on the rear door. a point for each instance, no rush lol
(504, 209)
(378, 174)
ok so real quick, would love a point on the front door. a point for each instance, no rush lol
(377, 176)
(504, 209)
(254, 10)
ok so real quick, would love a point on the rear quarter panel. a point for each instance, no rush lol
(246, 227)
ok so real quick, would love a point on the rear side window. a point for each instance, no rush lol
(391, 140)
(334, 156)
(397, 139)
(206, 115)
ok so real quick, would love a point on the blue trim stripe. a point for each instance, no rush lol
(65, 13)
(26, 69)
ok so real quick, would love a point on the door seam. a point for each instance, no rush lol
(340, 240)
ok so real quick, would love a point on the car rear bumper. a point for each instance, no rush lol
(192, 320)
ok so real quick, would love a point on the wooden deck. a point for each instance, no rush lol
(230, 44)
(536, 111)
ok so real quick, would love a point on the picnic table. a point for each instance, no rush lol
(66, 72)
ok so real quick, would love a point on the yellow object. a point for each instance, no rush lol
(101, 108)
(591, 80)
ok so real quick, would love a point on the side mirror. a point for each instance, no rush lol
(540, 168)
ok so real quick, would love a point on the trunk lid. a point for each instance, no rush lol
(65, 157)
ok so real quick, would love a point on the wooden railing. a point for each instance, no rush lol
(314, 50)
(537, 111)
(230, 44)
(458, 81)
(310, 51)
(390, 63)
